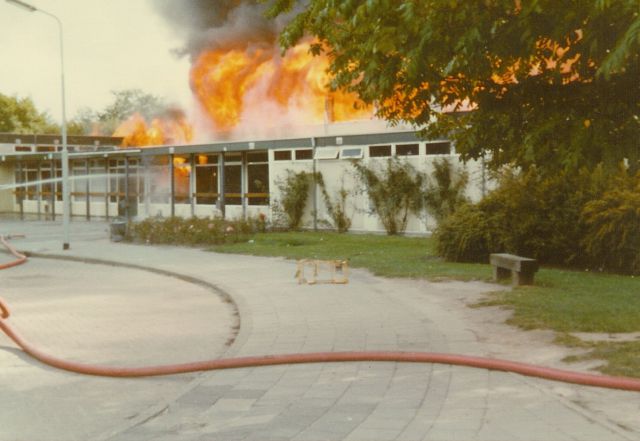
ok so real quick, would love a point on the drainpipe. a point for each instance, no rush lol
(173, 185)
(221, 196)
(315, 184)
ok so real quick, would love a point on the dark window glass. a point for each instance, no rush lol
(257, 157)
(378, 151)
(407, 150)
(206, 159)
(233, 184)
(206, 185)
(304, 154)
(233, 157)
(282, 155)
(258, 177)
(181, 179)
(439, 148)
(22, 148)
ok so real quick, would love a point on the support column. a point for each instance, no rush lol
(221, 189)
(192, 183)
(173, 185)
(54, 185)
(243, 185)
(315, 184)
(126, 188)
(87, 188)
(39, 190)
(21, 191)
(106, 187)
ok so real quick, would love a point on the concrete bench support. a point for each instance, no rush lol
(521, 269)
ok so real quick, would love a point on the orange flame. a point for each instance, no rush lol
(161, 130)
(229, 82)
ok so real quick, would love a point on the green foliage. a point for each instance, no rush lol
(294, 192)
(194, 231)
(414, 57)
(19, 115)
(529, 214)
(612, 239)
(467, 235)
(394, 192)
(444, 196)
(337, 208)
(125, 103)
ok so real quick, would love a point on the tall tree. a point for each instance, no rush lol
(127, 102)
(549, 82)
(19, 115)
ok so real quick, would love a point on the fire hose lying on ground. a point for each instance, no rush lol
(623, 383)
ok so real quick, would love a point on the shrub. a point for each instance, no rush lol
(193, 231)
(337, 208)
(447, 194)
(528, 214)
(467, 235)
(394, 192)
(612, 239)
(294, 192)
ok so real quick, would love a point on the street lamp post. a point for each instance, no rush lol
(66, 206)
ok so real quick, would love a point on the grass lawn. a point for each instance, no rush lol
(561, 300)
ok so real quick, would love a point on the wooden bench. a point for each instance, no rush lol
(521, 269)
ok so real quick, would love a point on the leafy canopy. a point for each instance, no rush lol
(551, 82)
(19, 115)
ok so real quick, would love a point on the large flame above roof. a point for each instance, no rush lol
(261, 87)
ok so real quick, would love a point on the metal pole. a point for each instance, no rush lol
(106, 187)
(21, 190)
(39, 189)
(126, 189)
(66, 206)
(315, 185)
(221, 196)
(54, 188)
(192, 183)
(173, 185)
(87, 189)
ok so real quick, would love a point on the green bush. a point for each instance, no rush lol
(337, 208)
(612, 240)
(394, 192)
(446, 194)
(467, 235)
(193, 231)
(289, 208)
(528, 214)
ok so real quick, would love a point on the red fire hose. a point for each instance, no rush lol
(623, 383)
(20, 258)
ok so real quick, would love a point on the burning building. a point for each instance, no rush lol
(234, 179)
(260, 114)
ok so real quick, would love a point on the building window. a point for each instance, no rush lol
(258, 178)
(97, 184)
(159, 185)
(233, 184)
(206, 182)
(181, 179)
(439, 148)
(304, 154)
(351, 153)
(253, 157)
(379, 151)
(327, 153)
(407, 150)
(78, 185)
(282, 155)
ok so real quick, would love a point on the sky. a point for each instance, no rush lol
(108, 45)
